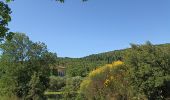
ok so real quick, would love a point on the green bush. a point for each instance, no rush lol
(149, 68)
(56, 83)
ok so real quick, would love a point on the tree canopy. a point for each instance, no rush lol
(5, 17)
(149, 70)
(25, 68)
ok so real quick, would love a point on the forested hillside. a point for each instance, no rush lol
(81, 66)
(136, 73)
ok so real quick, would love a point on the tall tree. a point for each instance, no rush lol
(25, 67)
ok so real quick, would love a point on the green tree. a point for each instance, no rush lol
(5, 17)
(149, 70)
(36, 88)
(57, 83)
(25, 67)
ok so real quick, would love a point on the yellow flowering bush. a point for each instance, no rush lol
(97, 71)
(106, 82)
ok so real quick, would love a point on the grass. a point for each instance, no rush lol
(55, 93)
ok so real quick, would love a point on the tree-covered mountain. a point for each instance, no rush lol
(82, 66)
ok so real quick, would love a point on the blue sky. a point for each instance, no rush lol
(77, 29)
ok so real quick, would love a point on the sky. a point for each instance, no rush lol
(77, 29)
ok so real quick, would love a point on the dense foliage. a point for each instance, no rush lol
(5, 17)
(139, 72)
(82, 66)
(149, 68)
(24, 68)
(147, 75)
(106, 83)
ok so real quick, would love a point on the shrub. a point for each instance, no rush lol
(56, 83)
(106, 82)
